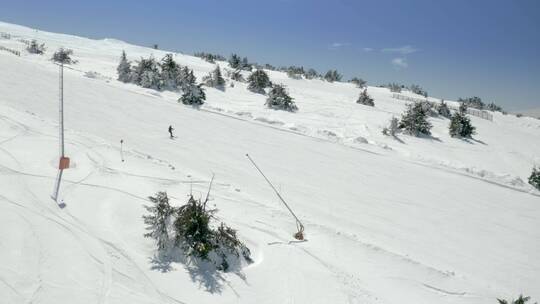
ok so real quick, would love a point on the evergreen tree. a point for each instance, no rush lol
(473, 102)
(215, 79)
(443, 110)
(365, 99)
(235, 62)
(460, 124)
(258, 81)
(394, 87)
(415, 120)
(332, 75)
(520, 300)
(416, 89)
(493, 107)
(237, 76)
(312, 74)
(245, 64)
(359, 82)
(158, 221)
(35, 48)
(279, 99)
(193, 95)
(169, 72)
(185, 78)
(63, 56)
(534, 179)
(124, 69)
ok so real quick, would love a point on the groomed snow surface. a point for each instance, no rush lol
(406, 220)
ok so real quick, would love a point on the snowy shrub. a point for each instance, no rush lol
(414, 120)
(365, 99)
(473, 102)
(429, 108)
(332, 75)
(124, 69)
(519, 115)
(359, 82)
(193, 95)
(214, 79)
(520, 300)
(416, 89)
(534, 179)
(393, 127)
(280, 100)
(258, 81)
(63, 56)
(189, 228)
(443, 110)
(460, 124)
(35, 48)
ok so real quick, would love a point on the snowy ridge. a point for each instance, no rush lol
(407, 220)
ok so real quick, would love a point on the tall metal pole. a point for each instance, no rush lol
(61, 109)
(61, 130)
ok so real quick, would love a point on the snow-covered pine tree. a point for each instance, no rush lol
(365, 99)
(235, 62)
(35, 48)
(159, 219)
(258, 81)
(460, 124)
(443, 109)
(415, 120)
(186, 78)
(169, 72)
(312, 74)
(124, 69)
(245, 64)
(520, 300)
(416, 89)
(394, 87)
(193, 95)
(63, 55)
(534, 179)
(332, 75)
(237, 76)
(393, 127)
(279, 99)
(215, 79)
(360, 83)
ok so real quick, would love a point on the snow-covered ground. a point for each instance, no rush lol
(407, 220)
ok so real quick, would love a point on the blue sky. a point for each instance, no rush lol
(453, 49)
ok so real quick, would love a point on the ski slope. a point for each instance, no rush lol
(407, 220)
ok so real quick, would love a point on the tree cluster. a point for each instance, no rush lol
(365, 99)
(460, 124)
(210, 57)
(190, 229)
(534, 179)
(279, 99)
(149, 73)
(332, 75)
(214, 79)
(443, 109)
(520, 300)
(394, 87)
(258, 81)
(239, 63)
(415, 120)
(35, 48)
(63, 56)
(359, 82)
(416, 89)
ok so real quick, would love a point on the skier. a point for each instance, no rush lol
(170, 131)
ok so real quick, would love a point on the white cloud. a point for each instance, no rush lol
(400, 63)
(366, 49)
(404, 50)
(337, 45)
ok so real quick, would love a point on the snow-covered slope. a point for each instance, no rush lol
(414, 220)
